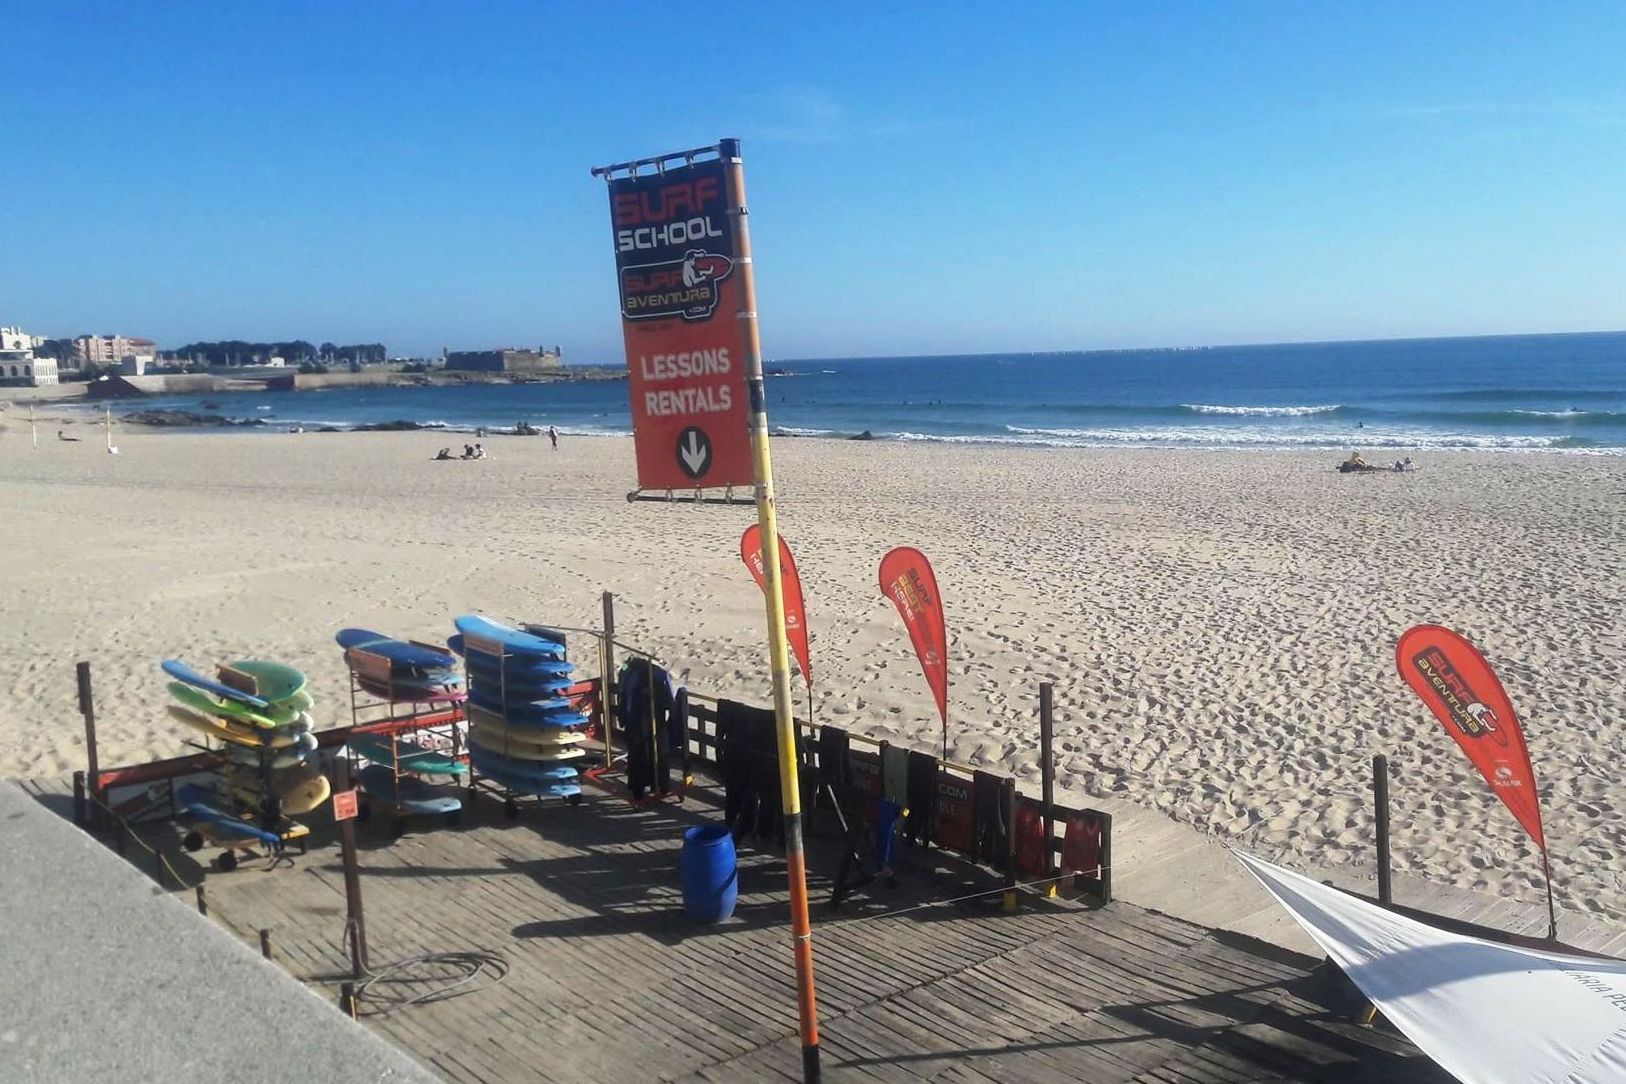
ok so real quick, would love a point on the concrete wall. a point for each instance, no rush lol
(313, 381)
(107, 978)
(130, 387)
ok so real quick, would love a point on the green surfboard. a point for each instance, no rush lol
(276, 682)
(266, 718)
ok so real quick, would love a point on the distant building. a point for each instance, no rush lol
(100, 350)
(509, 360)
(18, 365)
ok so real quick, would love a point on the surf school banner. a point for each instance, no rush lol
(1463, 692)
(907, 579)
(790, 586)
(680, 303)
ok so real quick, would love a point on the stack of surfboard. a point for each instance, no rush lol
(400, 671)
(401, 770)
(260, 713)
(523, 733)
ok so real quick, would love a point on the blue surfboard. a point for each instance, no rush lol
(555, 719)
(490, 697)
(511, 640)
(403, 656)
(183, 673)
(493, 691)
(486, 761)
(500, 771)
(199, 802)
(526, 665)
(538, 685)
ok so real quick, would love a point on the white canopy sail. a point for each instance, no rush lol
(1484, 1012)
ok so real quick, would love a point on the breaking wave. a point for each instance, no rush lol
(1263, 411)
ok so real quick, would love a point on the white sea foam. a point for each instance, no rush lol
(1259, 437)
(1570, 413)
(798, 431)
(1263, 411)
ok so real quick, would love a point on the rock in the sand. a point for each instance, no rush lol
(865, 435)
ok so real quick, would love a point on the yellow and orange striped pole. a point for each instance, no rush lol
(778, 650)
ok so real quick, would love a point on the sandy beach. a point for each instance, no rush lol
(1219, 626)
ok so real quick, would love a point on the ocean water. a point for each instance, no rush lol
(1562, 392)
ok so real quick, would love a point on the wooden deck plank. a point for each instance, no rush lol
(608, 980)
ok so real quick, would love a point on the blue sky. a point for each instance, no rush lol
(924, 177)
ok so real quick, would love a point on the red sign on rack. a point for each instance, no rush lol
(345, 805)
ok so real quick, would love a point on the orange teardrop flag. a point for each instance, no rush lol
(790, 586)
(907, 579)
(1462, 691)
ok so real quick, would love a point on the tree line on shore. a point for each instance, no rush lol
(297, 352)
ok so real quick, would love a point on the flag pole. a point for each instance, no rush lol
(778, 651)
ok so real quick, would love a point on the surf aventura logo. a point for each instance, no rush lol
(1470, 714)
(689, 287)
(673, 246)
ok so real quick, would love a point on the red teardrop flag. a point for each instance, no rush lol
(790, 586)
(907, 579)
(1462, 691)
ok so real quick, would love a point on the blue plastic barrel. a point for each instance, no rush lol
(710, 881)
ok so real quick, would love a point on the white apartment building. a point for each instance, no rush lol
(18, 365)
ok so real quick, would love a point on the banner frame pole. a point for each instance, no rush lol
(607, 688)
(1380, 811)
(1047, 779)
(1552, 912)
(778, 647)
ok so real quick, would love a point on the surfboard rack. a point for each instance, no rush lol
(511, 792)
(373, 689)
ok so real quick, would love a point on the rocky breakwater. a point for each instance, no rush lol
(184, 419)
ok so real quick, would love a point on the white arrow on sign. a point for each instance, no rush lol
(694, 451)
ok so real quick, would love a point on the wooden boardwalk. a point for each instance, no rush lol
(609, 982)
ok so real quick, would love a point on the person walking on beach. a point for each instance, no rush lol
(553, 435)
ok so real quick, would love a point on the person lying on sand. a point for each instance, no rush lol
(1355, 465)
(60, 435)
(444, 453)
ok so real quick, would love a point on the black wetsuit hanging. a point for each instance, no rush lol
(922, 798)
(988, 825)
(643, 712)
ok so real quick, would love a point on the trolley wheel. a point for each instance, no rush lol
(511, 808)
(192, 841)
(226, 861)
(574, 799)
